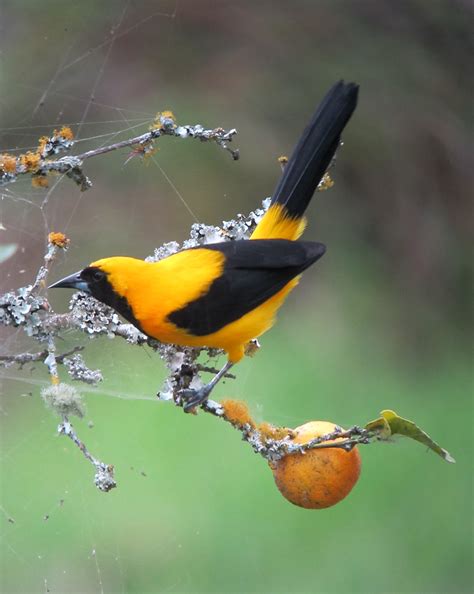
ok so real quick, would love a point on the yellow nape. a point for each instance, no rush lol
(277, 224)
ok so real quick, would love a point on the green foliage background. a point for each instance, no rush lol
(381, 322)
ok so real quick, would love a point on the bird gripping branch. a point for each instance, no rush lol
(225, 294)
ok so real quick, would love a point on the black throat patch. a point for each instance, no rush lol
(102, 290)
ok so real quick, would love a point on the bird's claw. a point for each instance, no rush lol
(192, 398)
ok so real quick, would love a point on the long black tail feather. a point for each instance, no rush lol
(315, 149)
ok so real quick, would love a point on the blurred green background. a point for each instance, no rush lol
(383, 321)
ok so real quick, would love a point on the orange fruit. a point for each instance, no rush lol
(321, 477)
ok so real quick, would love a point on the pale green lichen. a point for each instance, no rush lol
(64, 400)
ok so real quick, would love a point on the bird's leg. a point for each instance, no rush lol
(193, 398)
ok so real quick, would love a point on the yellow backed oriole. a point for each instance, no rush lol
(223, 295)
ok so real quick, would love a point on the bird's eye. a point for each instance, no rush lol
(98, 275)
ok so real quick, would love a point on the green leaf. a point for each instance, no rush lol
(381, 427)
(391, 424)
(6, 251)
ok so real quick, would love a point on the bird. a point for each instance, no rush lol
(224, 295)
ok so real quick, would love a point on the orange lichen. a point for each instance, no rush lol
(168, 114)
(42, 142)
(158, 123)
(58, 239)
(39, 181)
(237, 413)
(144, 150)
(149, 153)
(269, 431)
(57, 141)
(8, 163)
(65, 133)
(30, 161)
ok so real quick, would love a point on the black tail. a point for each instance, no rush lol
(315, 149)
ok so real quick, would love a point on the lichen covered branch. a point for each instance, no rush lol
(38, 164)
(104, 475)
(273, 443)
(23, 359)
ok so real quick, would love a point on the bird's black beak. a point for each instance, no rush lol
(73, 281)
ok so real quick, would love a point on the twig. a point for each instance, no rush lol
(25, 358)
(273, 443)
(218, 135)
(38, 165)
(213, 370)
(104, 476)
(43, 271)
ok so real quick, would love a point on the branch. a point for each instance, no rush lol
(104, 476)
(25, 358)
(213, 370)
(273, 443)
(38, 165)
(169, 128)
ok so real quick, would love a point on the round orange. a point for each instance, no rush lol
(321, 477)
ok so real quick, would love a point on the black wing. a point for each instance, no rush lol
(254, 271)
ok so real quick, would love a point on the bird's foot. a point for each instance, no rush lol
(192, 398)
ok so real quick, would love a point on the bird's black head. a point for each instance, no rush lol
(91, 280)
(95, 281)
